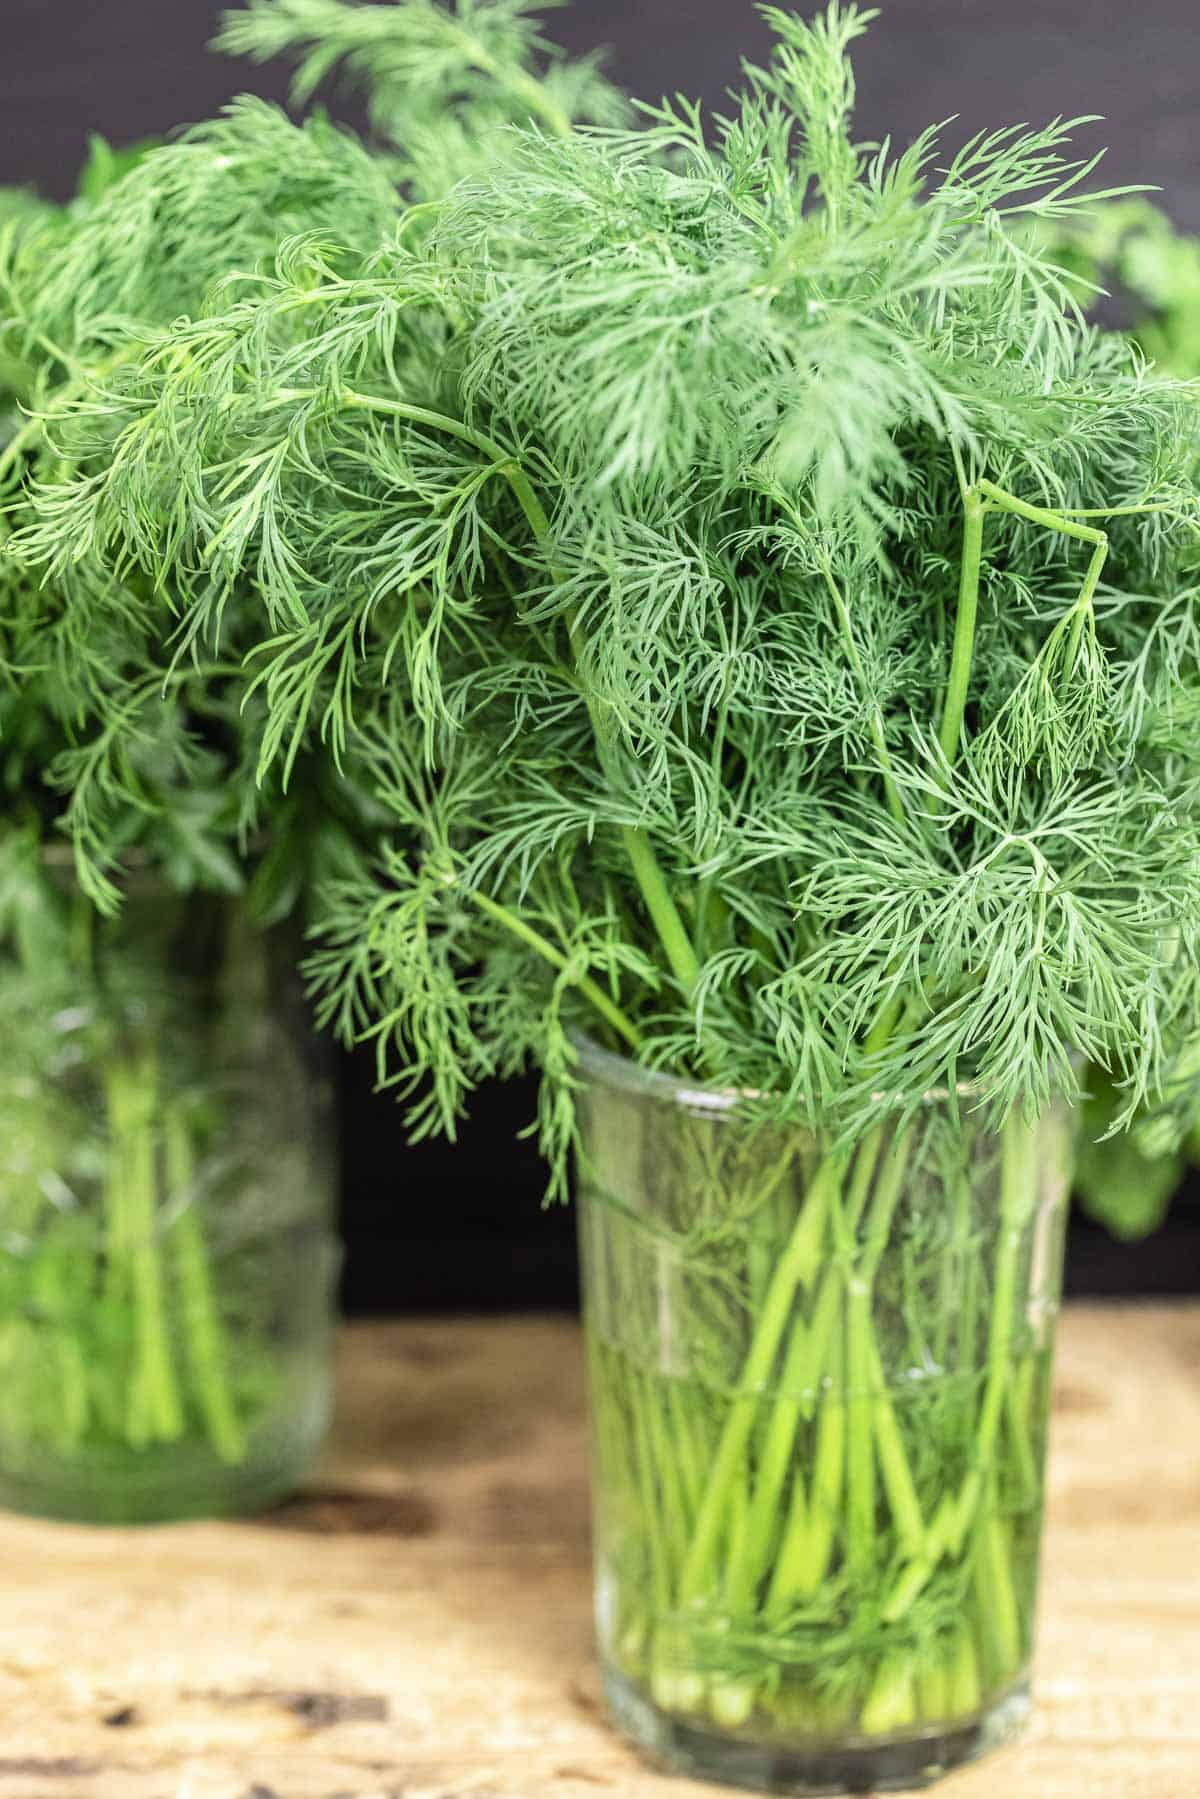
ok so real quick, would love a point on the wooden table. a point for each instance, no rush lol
(416, 1625)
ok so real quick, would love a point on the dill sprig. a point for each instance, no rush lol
(439, 81)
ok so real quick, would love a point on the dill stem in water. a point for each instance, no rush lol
(207, 1346)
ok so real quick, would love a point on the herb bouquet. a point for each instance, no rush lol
(766, 612)
(166, 1249)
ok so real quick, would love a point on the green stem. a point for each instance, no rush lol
(796, 1263)
(666, 1463)
(1018, 1411)
(116, 1229)
(889, 1443)
(956, 1514)
(664, 913)
(933, 1687)
(963, 1685)
(155, 1410)
(803, 1559)
(713, 917)
(1067, 528)
(1052, 519)
(894, 1465)
(963, 650)
(796, 1268)
(50, 1298)
(646, 1465)
(1083, 605)
(691, 1467)
(873, 1432)
(607, 1008)
(956, 1286)
(807, 1359)
(860, 1446)
(999, 1613)
(891, 1703)
(207, 1350)
(1017, 1195)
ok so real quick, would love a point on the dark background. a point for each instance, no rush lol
(452, 1229)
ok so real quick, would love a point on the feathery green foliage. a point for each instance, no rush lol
(145, 1370)
(110, 733)
(724, 518)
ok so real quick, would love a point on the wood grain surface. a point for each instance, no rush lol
(416, 1625)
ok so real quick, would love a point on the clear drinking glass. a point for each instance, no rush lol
(820, 1387)
(167, 1250)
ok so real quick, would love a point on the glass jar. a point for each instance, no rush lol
(820, 1386)
(167, 1251)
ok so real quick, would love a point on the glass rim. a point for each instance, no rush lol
(622, 1072)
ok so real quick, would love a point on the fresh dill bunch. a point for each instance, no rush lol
(137, 1002)
(756, 595)
(107, 735)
